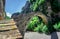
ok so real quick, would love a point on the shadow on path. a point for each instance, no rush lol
(54, 35)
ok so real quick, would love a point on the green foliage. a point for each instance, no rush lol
(35, 7)
(55, 5)
(41, 2)
(35, 24)
(35, 4)
(32, 23)
(39, 27)
(57, 26)
(35, 19)
(7, 17)
(45, 29)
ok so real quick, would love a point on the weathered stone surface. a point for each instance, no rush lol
(12, 34)
(8, 30)
(21, 21)
(2, 5)
(35, 35)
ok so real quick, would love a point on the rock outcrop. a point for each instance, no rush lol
(21, 21)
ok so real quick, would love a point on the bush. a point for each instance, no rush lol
(33, 23)
(57, 26)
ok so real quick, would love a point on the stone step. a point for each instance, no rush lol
(7, 24)
(11, 34)
(6, 21)
(8, 27)
(8, 30)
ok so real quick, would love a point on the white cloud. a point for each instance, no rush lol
(8, 14)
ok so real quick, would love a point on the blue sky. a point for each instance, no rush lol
(13, 6)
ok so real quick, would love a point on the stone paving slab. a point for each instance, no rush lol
(7, 26)
(11, 34)
(8, 30)
(35, 35)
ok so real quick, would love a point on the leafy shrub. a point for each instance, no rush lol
(45, 29)
(57, 26)
(32, 23)
(39, 27)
